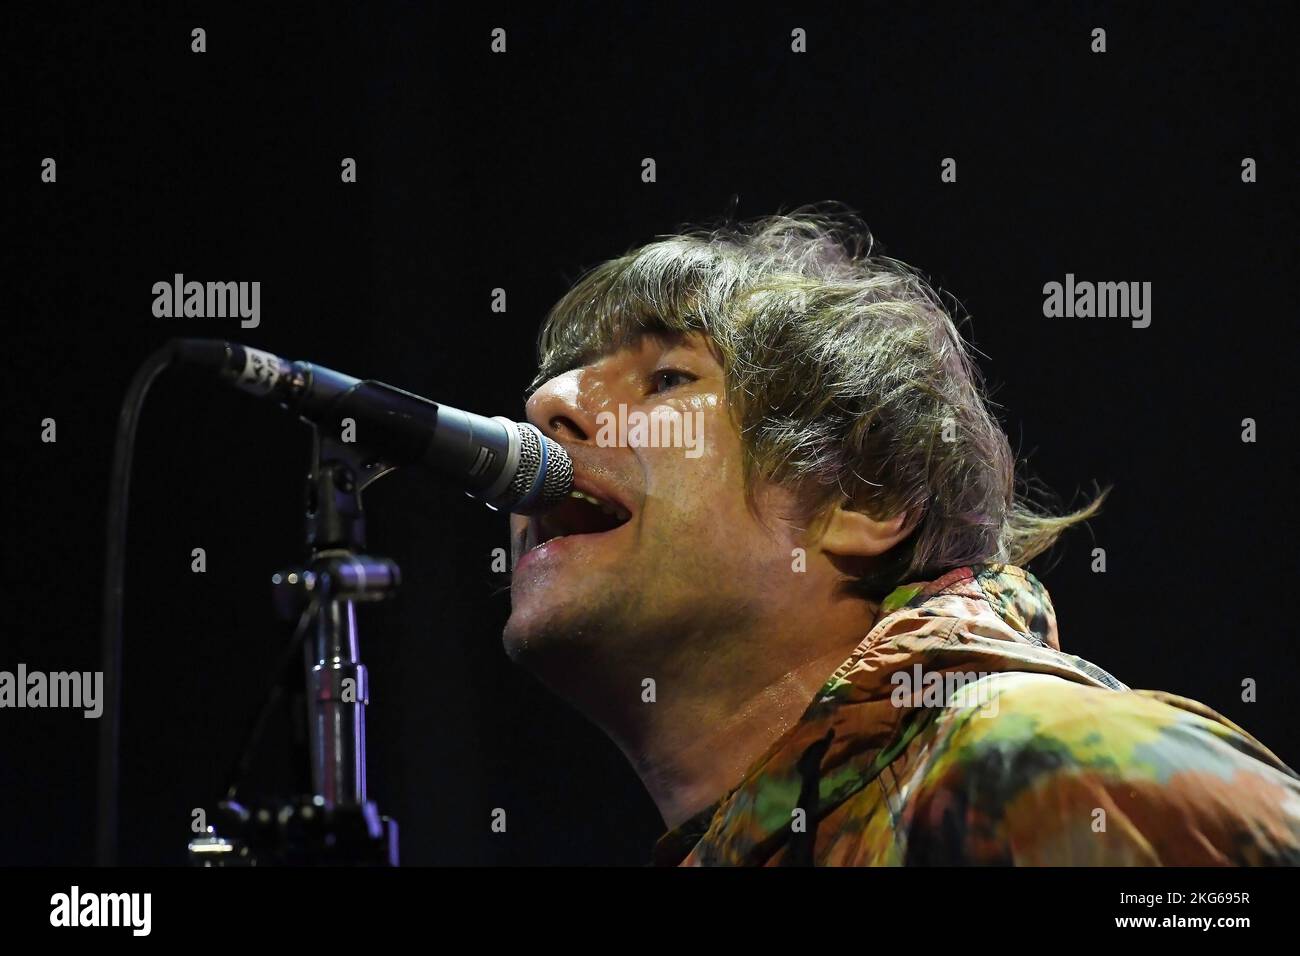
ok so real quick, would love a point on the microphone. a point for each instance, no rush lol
(509, 465)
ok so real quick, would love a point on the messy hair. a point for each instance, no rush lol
(846, 376)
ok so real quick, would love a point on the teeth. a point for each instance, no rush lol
(612, 510)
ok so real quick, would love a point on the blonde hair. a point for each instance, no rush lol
(847, 378)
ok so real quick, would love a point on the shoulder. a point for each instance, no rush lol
(1035, 769)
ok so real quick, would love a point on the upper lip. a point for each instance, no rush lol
(587, 483)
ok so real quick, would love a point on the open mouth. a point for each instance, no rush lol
(581, 513)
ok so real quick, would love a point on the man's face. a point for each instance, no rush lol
(680, 556)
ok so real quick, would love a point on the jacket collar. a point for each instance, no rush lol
(982, 618)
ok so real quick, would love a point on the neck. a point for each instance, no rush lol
(723, 702)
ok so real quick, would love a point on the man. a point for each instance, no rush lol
(809, 632)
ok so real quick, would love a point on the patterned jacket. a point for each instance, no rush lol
(959, 733)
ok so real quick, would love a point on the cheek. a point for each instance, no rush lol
(720, 465)
(518, 527)
(700, 498)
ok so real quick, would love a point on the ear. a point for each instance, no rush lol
(852, 534)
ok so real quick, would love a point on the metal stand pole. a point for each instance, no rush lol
(336, 824)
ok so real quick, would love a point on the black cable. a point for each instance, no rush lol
(114, 582)
(240, 769)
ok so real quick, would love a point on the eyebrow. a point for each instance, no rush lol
(669, 339)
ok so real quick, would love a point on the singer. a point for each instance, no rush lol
(816, 641)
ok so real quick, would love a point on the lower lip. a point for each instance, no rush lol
(557, 546)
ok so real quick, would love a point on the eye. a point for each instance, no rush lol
(666, 378)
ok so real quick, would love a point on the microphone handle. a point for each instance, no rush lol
(480, 454)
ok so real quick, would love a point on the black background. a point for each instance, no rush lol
(478, 171)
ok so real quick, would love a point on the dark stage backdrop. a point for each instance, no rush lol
(479, 171)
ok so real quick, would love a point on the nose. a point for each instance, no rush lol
(564, 408)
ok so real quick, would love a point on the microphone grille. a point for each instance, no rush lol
(558, 480)
(526, 494)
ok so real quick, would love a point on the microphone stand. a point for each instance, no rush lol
(336, 824)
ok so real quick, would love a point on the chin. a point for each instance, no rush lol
(544, 638)
(517, 638)
(530, 631)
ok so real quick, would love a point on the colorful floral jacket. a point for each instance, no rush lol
(959, 733)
